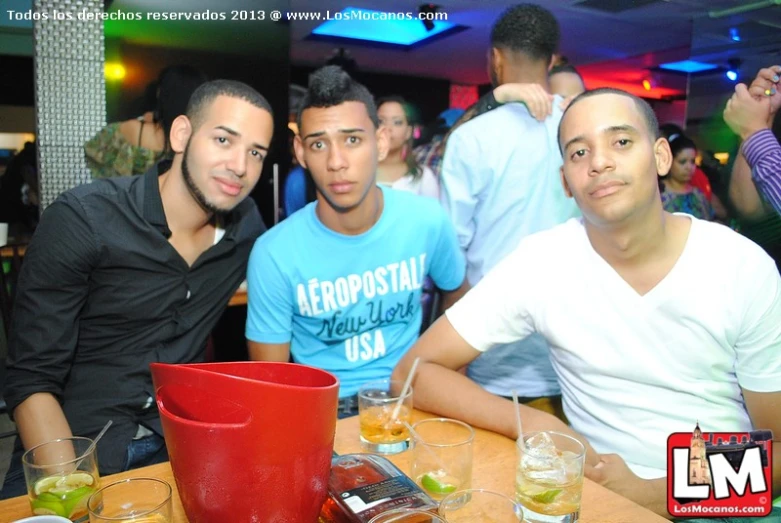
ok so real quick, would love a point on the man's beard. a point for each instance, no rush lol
(195, 191)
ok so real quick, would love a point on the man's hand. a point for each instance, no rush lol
(613, 473)
(537, 100)
(746, 114)
(765, 85)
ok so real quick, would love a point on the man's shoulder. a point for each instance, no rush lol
(503, 124)
(413, 209)
(101, 191)
(290, 230)
(559, 244)
(719, 242)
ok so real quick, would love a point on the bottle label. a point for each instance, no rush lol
(363, 498)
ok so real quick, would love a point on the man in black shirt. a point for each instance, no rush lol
(128, 271)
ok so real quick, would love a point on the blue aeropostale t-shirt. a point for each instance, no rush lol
(351, 304)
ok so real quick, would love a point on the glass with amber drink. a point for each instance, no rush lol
(381, 432)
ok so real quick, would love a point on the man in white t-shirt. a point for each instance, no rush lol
(655, 320)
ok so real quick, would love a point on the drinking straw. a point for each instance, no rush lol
(420, 440)
(518, 418)
(404, 392)
(92, 446)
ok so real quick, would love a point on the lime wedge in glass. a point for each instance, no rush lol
(433, 485)
(48, 508)
(546, 496)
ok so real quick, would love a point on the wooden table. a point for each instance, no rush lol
(493, 469)
(239, 298)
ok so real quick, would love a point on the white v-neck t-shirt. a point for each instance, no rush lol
(633, 368)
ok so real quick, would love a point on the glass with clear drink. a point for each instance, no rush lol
(549, 478)
(61, 475)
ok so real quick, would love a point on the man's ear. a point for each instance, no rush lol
(496, 62)
(663, 155)
(298, 147)
(383, 143)
(564, 183)
(181, 131)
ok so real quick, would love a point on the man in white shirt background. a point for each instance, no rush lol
(655, 320)
(500, 183)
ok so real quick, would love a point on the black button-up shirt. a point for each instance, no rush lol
(102, 294)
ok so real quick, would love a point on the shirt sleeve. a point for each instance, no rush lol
(497, 310)
(461, 185)
(758, 348)
(448, 266)
(269, 298)
(763, 154)
(52, 289)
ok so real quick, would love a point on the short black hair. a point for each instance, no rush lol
(330, 86)
(206, 93)
(564, 68)
(669, 129)
(679, 142)
(645, 109)
(529, 29)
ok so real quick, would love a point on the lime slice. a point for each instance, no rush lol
(46, 484)
(76, 480)
(546, 496)
(75, 503)
(432, 484)
(47, 508)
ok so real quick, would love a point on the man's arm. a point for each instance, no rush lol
(53, 287)
(39, 419)
(613, 473)
(750, 117)
(441, 390)
(461, 185)
(269, 306)
(763, 154)
(743, 192)
(268, 351)
(764, 409)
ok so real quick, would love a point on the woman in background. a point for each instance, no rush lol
(678, 194)
(400, 170)
(131, 147)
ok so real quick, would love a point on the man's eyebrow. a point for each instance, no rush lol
(579, 138)
(237, 134)
(342, 131)
(626, 128)
(612, 129)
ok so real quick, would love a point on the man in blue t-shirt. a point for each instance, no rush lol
(338, 283)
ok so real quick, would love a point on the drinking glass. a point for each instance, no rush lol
(377, 402)
(442, 456)
(134, 500)
(61, 475)
(549, 478)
